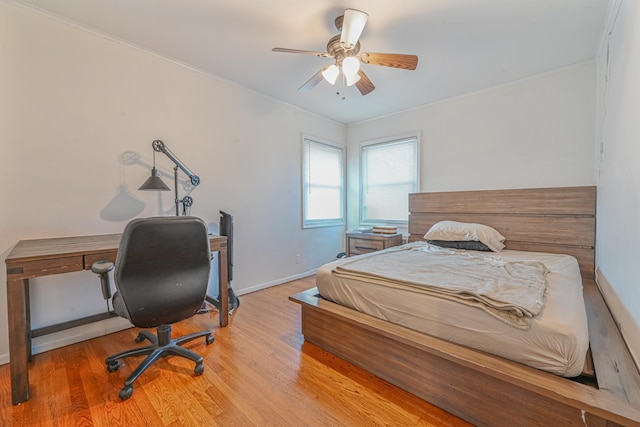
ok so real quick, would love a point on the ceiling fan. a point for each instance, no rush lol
(344, 49)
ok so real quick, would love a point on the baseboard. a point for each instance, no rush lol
(621, 316)
(275, 282)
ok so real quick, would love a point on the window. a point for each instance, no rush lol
(388, 173)
(322, 184)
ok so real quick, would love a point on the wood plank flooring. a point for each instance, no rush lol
(258, 372)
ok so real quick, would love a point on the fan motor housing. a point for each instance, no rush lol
(335, 48)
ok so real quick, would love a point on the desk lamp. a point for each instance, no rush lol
(155, 183)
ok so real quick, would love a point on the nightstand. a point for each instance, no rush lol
(362, 243)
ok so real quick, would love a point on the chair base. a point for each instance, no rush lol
(161, 346)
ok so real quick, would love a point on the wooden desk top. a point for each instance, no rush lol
(39, 249)
(28, 250)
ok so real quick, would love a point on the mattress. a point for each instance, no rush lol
(556, 341)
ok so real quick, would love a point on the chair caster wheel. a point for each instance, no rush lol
(112, 367)
(199, 369)
(140, 338)
(125, 393)
(210, 339)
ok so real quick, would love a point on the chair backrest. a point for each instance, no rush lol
(162, 269)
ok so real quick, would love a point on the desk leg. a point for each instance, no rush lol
(18, 341)
(223, 291)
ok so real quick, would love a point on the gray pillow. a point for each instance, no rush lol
(470, 245)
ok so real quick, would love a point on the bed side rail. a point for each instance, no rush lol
(614, 366)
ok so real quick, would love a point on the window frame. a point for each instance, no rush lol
(304, 184)
(415, 135)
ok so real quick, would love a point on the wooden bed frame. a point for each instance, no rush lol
(478, 387)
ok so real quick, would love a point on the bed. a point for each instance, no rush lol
(556, 340)
(484, 388)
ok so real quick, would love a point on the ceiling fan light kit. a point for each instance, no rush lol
(344, 49)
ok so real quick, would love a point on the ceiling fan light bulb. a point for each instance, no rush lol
(331, 74)
(350, 66)
(352, 79)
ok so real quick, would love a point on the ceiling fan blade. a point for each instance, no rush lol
(352, 26)
(395, 60)
(364, 85)
(304, 52)
(312, 82)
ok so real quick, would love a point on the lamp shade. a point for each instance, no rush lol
(154, 182)
(350, 66)
(351, 78)
(331, 74)
(352, 26)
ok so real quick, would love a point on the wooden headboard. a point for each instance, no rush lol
(554, 220)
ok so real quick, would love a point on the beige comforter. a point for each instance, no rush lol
(510, 291)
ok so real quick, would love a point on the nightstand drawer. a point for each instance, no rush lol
(363, 246)
(363, 243)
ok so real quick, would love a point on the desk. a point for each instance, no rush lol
(44, 257)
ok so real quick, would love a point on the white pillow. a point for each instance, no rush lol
(453, 231)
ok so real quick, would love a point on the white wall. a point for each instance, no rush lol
(618, 230)
(78, 113)
(535, 132)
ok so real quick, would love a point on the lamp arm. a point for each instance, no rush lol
(160, 147)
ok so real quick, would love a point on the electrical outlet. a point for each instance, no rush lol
(297, 258)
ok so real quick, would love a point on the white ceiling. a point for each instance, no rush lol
(463, 45)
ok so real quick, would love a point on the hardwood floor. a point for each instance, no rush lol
(257, 372)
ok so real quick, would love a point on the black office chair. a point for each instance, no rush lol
(161, 276)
